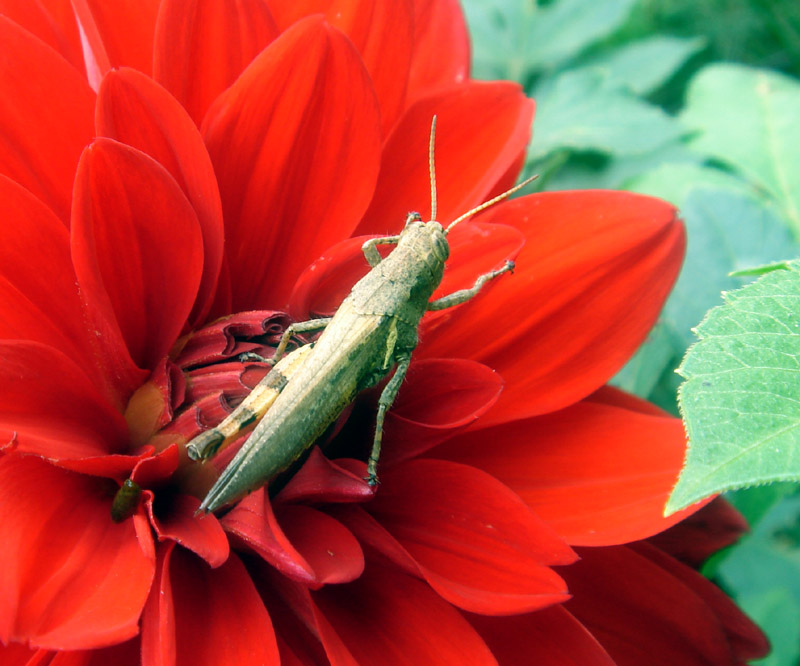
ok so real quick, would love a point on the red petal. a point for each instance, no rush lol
(253, 521)
(643, 614)
(481, 129)
(52, 21)
(198, 616)
(38, 305)
(70, 578)
(295, 144)
(201, 47)
(746, 639)
(549, 637)
(173, 517)
(132, 109)
(597, 474)
(50, 121)
(331, 550)
(388, 618)
(698, 537)
(321, 481)
(383, 33)
(588, 286)
(119, 33)
(136, 246)
(53, 407)
(441, 47)
(438, 396)
(480, 547)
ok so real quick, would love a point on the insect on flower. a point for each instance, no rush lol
(374, 330)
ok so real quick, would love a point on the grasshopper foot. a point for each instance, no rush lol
(258, 358)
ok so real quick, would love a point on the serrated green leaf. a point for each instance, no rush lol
(748, 118)
(580, 113)
(644, 65)
(741, 398)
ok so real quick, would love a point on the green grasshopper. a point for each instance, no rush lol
(374, 330)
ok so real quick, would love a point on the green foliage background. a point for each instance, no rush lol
(698, 103)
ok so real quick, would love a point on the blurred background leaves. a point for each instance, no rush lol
(697, 103)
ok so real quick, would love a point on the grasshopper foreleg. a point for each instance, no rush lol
(463, 295)
(384, 403)
(294, 329)
(370, 248)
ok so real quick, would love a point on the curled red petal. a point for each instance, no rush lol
(696, 538)
(480, 547)
(253, 522)
(441, 47)
(438, 397)
(386, 617)
(383, 33)
(588, 286)
(643, 614)
(50, 121)
(549, 637)
(136, 246)
(134, 110)
(53, 407)
(173, 517)
(200, 616)
(746, 639)
(331, 550)
(119, 33)
(596, 473)
(52, 21)
(481, 129)
(321, 480)
(304, 106)
(201, 47)
(70, 577)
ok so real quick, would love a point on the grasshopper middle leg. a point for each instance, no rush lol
(294, 329)
(463, 295)
(384, 402)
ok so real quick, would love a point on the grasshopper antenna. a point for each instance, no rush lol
(491, 202)
(432, 167)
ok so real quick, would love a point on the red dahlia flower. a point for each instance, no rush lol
(179, 179)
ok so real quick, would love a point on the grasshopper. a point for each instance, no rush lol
(374, 330)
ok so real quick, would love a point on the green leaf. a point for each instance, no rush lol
(762, 573)
(515, 38)
(643, 66)
(566, 28)
(674, 182)
(741, 398)
(748, 118)
(726, 231)
(580, 113)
